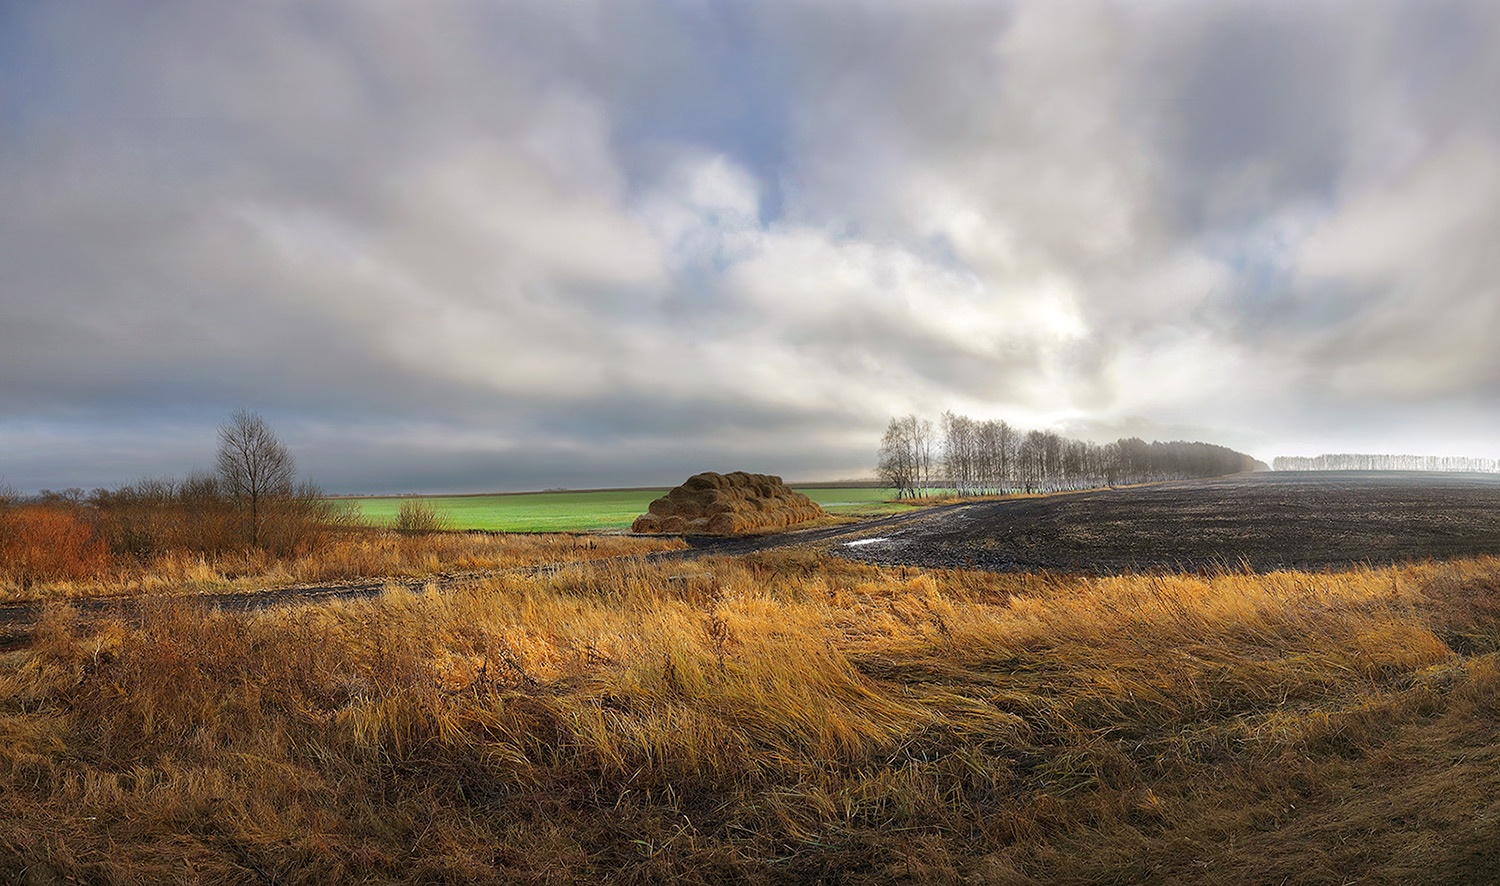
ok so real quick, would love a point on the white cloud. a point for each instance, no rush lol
(705, 210)
(649, 228)
(1415, 258)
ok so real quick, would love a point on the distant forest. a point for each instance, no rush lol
(992, 457)
(1350, 462)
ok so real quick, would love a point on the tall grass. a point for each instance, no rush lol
(345, 554)
(778, 718)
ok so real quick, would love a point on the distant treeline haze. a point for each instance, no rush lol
(1352, 462)
(992, 457)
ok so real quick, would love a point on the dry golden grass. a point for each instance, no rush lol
(781, 718)
(339, 556)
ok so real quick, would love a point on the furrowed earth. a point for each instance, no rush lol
(1265, 521)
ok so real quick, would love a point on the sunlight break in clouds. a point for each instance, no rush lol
(472, 246)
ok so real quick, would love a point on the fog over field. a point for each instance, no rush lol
(459, 246)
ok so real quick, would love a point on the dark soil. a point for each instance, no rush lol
(1266, 521)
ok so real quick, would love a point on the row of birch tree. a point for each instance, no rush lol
(960, 455)
(1357, 462)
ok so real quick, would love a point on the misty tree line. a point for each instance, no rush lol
(1354, 462)
(991, 457)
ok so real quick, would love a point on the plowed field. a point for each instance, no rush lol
(1266, 521)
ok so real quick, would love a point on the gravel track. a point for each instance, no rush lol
(18, 619)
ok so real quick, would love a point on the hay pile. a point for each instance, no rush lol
(725, 504)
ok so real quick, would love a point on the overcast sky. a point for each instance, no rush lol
(470, 246)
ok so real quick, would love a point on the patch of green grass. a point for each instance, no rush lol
(526, 512)
(841, 499)
(579, 511)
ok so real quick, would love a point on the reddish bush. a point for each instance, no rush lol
(40, 543)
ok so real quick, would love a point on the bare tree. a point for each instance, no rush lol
(1370, 462)
(898, 464)
(254, 467)
(991, 456)
(1005, 447)
(905, 461)
(959, 451)
(922, 444)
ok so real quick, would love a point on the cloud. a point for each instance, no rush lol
(1422, 283)
(507, 246)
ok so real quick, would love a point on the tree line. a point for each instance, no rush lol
(1360, 462)
(990, 457)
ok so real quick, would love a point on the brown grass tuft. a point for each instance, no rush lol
(345, 555)
(775, 718)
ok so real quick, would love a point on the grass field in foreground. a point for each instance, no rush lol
(782, 718)
(575, 511)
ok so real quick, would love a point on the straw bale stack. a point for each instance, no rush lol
(727, 504)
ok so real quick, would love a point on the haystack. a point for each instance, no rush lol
(727, 504)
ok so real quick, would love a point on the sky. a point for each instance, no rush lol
(479, 246)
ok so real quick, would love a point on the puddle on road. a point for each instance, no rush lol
(864, 541)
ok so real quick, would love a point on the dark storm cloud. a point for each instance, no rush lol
(475, 245)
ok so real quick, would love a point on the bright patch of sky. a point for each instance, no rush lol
(471, 246)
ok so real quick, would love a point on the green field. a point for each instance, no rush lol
(575, 511)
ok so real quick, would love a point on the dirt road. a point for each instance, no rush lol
(17, 619)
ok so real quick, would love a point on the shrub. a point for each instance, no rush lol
(299, 522)
(41, 542)
(156, 515)
(420, 515)
(196, 515)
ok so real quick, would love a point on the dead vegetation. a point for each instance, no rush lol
(421, 515)
(62, 557)
(779, 718)
(38, 543)
(728, 504)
